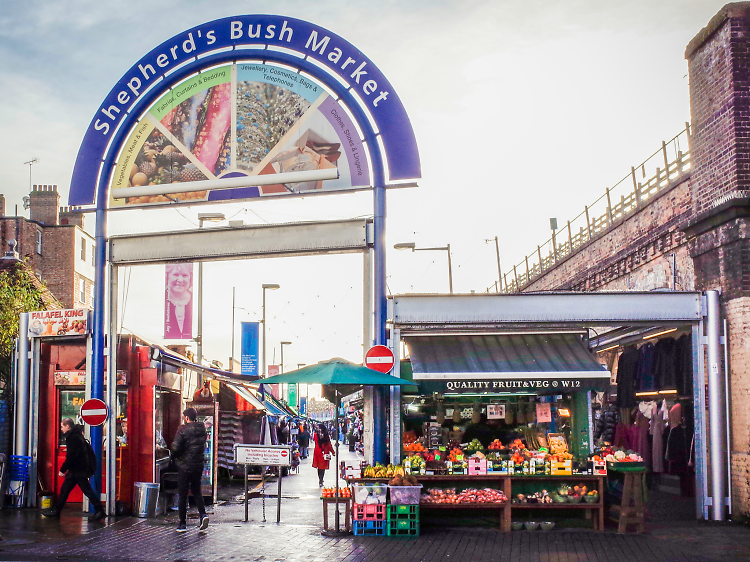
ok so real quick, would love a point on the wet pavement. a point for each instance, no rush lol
(28, 536)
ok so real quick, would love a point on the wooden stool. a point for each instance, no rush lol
(632, 492)
(347, 514)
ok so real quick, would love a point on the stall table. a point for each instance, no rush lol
(505, 483)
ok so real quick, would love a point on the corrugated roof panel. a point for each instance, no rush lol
(502, 355)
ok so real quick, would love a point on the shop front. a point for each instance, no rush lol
(512, 392)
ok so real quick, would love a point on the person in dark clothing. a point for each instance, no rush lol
(303, 438)
(76, 471)
(187, 450)
(480, 431)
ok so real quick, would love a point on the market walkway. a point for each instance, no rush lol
(28, 536)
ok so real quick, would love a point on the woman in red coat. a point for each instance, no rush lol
(323, 448)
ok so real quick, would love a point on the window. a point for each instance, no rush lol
(82, 290)
(83, 249)
(92, 255)
(70, 407)
(39, 242)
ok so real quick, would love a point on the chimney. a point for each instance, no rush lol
(44, 202)
(71, 215)
(2, 205)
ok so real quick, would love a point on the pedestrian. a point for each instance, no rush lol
(303, 438)
(187, 450)
(283, 433)
(323, 452)
(76, 470)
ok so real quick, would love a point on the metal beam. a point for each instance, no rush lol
(243, 242)
(564, 309)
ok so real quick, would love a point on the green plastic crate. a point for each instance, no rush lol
(402, 528)
(407, 512)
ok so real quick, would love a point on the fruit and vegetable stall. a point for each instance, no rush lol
(510, 481)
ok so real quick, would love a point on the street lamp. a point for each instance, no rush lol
(203, 217)
(273, 287)
(412, 246)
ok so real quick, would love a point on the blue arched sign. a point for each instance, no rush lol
(242, 96)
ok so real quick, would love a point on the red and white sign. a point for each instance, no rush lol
(94, 412)
(263, 455)
(379, 358)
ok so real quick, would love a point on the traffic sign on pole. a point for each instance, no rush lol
(379, 358)
(94, 412)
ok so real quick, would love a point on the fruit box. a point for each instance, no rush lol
(368, 494)
(600, 468)
(561, 468)
(405, 495)
(477, 466)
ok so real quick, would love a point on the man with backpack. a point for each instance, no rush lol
(78, 468)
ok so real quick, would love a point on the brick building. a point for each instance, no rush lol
(689, 228)
(55, 245)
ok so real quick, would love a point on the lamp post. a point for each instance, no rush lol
(273, 287)
(203, 217)
(412, 246)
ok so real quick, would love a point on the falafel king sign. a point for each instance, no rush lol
(240, 97)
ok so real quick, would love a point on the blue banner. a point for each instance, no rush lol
(249, 349)
(303, 405)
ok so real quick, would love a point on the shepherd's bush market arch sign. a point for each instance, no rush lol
(245, 96)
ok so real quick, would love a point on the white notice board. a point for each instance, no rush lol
(263, 455)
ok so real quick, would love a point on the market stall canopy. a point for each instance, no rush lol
(504, 363)
(344, 375)
(247, 394)
(162, 355)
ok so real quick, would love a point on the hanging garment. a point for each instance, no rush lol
(678, 453)
(665, 364)
(641, 442)
(656, 429)
(605, 425)
(645, 376)
(627, 367)
(684, 354)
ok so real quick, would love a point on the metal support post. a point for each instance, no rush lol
(22, 389)
(99, 325)
(278, 499)
(716, 409)
(111, 444)
(245, 493)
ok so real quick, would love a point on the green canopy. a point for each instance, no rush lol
(337, 371)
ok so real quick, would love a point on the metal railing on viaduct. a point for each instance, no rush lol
(628, 196)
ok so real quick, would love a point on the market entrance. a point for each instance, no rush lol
(491, 369)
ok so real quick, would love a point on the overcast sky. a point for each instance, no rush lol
(522, 111)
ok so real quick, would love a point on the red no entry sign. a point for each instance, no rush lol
(94, 412)
(379, 358)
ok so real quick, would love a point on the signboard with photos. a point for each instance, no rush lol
(66, 322)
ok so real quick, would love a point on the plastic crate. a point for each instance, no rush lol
(373, 512)
(403, 528)
(406, 512)
(371, 528)
(369, 494)
(405, 495)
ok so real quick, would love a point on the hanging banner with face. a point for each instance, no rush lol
(178, 302)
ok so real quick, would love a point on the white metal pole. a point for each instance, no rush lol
(111, 443)
(716, 409)
(22, 390)
(263, 320)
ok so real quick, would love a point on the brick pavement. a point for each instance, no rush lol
(298, 537)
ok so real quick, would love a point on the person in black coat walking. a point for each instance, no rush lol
(187, 450)
(303, 438)
(76, 471)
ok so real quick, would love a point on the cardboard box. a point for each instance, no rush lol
(564, 468)
(477, 466)
(600, 468)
